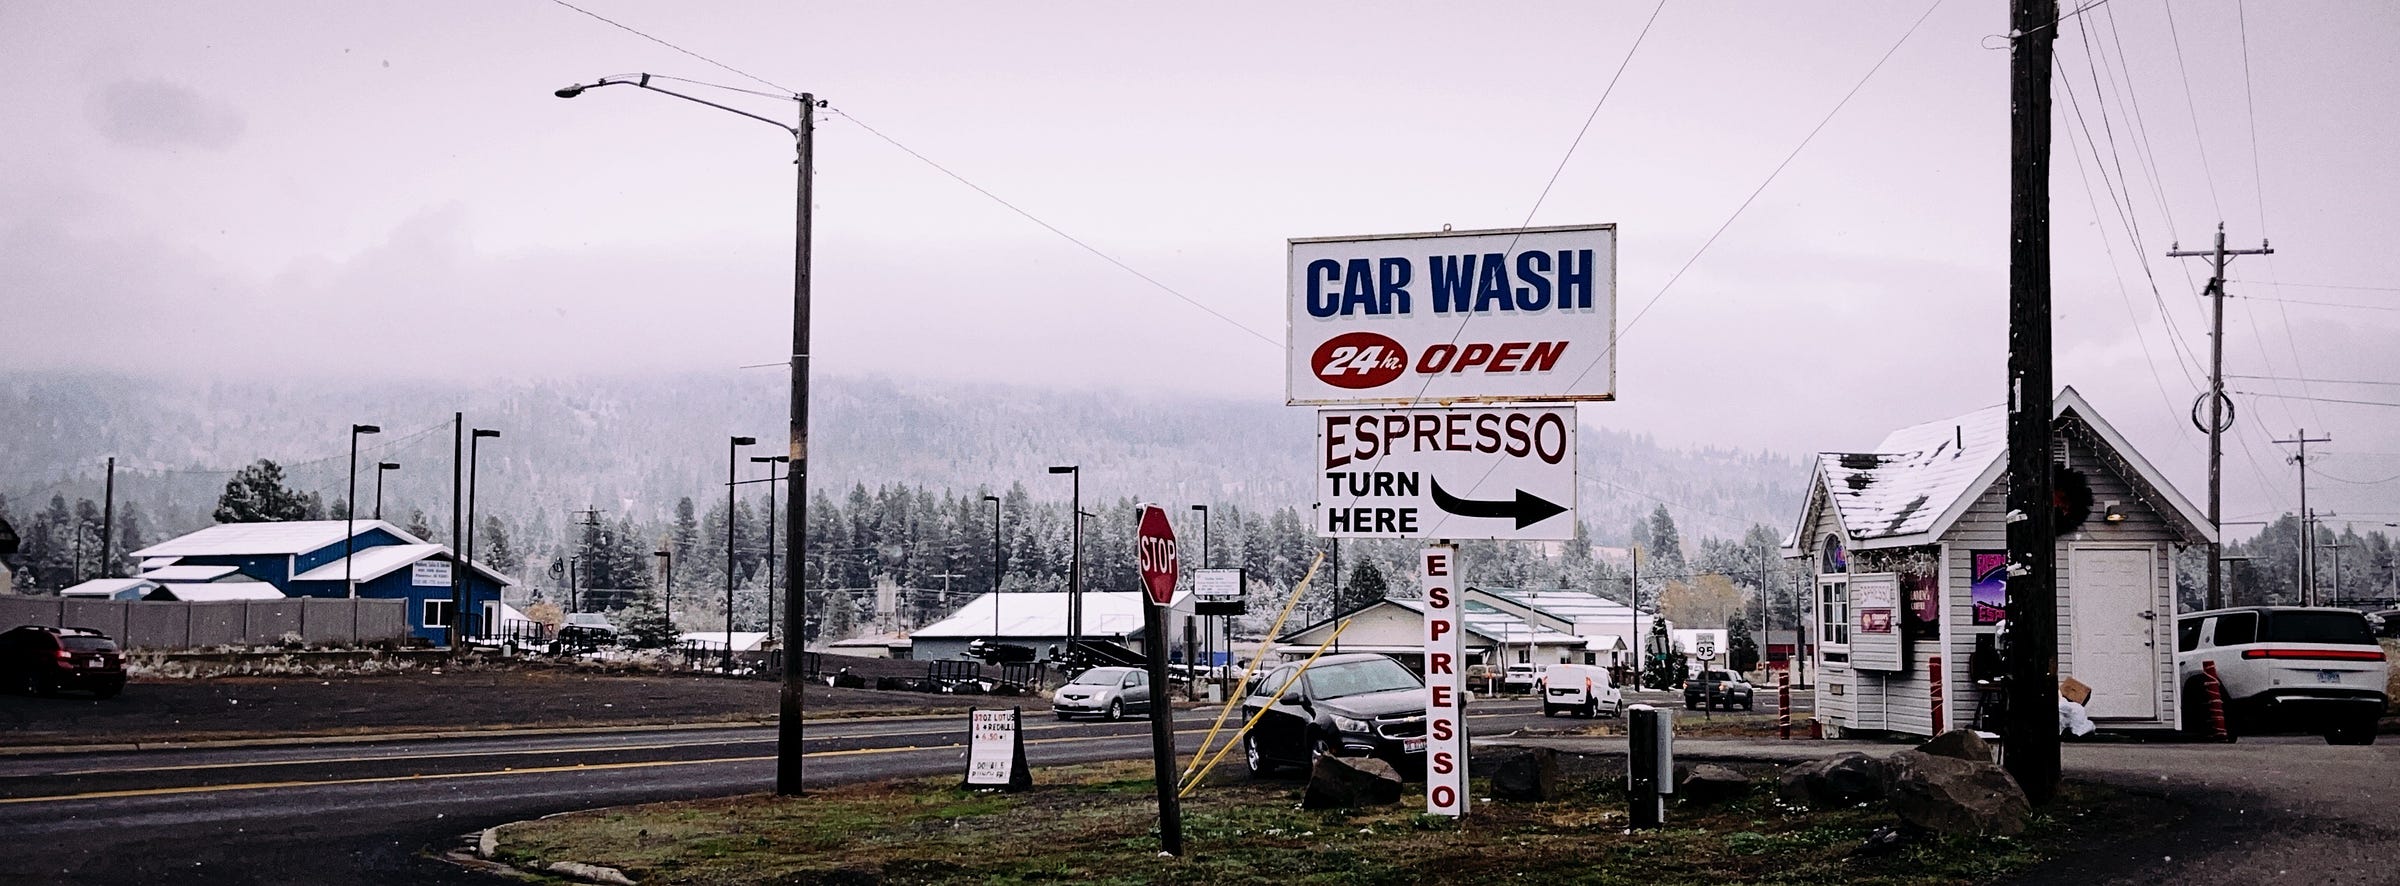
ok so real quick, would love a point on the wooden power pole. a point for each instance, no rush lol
(2031, 736)
(2219, 418)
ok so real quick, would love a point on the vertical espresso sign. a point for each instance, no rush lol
(1445, 703)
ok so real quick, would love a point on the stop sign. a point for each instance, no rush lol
(1155, 549)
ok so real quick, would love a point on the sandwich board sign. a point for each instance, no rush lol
(996, 750)
(1466, 316)
(1504, 472)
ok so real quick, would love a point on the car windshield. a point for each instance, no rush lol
(1360, 678)
(1719, 676)
(2319, 627)
(90, 644)
(1100, 677)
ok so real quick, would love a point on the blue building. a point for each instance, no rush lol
(304, 558)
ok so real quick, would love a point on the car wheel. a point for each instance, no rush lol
(1549, 711)
(2195, 725)
(1116, 709)
(1319, 747)
(1250, 754)
(1749, 704)
(2361, 732)
(1063, 715)
(1690, 705)
(1590, 710)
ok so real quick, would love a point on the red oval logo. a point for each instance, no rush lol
(1359, 360)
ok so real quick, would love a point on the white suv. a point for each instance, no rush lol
(2283, 669)
(1583, 690)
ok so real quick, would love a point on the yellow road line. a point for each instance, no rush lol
(374, 758)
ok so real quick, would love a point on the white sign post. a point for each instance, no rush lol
(1468, 472)
(1476, 316)
(1445, 661)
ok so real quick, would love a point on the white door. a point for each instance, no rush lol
(2115, 651)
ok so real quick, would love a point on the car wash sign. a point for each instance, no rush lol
(1476, 316)
(1462, 472)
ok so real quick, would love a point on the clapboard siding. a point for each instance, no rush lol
(1984, 527)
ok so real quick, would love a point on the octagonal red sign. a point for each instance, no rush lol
(1154, 548)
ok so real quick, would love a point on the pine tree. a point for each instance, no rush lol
(1742, 654)
(1665, 543)
(497, 552)
(257, 494)
(1367, 586)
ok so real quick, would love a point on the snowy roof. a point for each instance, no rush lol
(1105, 614)
(219, 590)
(1912, 486)
(189, 573)
(156, 562)
(1500, 627)
(287, 537)
(106, 587)
(368, 564)
(1565, 604)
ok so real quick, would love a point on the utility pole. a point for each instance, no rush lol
(2218, 418)
(108, 522)
(2032, 730)
(2308, 519)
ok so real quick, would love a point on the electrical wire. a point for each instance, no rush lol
(638, 33)
(2321, 304)
(2194, 108)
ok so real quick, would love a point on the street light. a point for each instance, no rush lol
(770, 461)
(381, 467)
(792, 704)
(732, 461)
(474, 445)
(666, 567)
(1075, 560)
(350, 508)
(996, 567)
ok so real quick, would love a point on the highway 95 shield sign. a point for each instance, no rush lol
(1464, 472)
(1472, 316)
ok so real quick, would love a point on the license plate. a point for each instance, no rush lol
(98, 662)
(1412, 745)
(2329, 676)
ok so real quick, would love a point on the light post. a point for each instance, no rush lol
(769, 588)
(1208, 630)
(2336, 548)
(666, 568)
(791, 703)
(996, 567)
(474, 444)
(2229, 562)
(1075, 560)
(350, 509)
(732, 461)
(380, 468)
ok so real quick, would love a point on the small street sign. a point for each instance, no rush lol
(1154, 547)
(1504, 472)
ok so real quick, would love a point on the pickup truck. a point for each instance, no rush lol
(1714, 688)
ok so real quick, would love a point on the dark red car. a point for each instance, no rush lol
(38, 659)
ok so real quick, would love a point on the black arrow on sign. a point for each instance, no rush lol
(1527, 508)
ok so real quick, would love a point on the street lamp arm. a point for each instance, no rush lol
(643, 81)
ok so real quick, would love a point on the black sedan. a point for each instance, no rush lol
(1357, 705)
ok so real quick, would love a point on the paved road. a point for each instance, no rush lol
(362, 812)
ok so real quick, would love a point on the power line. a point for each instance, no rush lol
(2324, 381)
(2194, 109)
(2124, 212)
(1594, 115)
(638, 33)
(2331, 286)
(1761, 189)
(2321, 304)
(2318, 399)
(2116, 273)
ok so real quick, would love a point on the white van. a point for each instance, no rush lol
(1581, 689)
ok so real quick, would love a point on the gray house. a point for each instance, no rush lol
(1909, 542)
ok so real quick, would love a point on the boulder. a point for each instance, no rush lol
(1962, 744)
(1948, 795)
(1526, 774)
(1710, 783)
(1845, 779)
(1346, 782)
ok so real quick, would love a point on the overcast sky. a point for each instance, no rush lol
(248, 189)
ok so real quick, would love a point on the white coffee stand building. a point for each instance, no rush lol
(1909, 541)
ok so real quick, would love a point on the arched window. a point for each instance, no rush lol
(1834, 560)
(1833, 600)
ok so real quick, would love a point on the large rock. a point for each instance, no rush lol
(1845, 779)
(1952, 796)
(1346, 782)
(1526, 774)
(1961, 744)
(1710, 783)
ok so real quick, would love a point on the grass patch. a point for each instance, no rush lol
(1096, 825)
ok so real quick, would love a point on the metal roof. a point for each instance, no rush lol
(219, 590)
(106, 587)
(251, 539)
(190, 573)
(368, 564)
(1565, 604)
(1105, 614)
